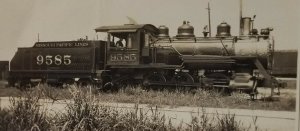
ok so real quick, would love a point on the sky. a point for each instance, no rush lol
(57, 20)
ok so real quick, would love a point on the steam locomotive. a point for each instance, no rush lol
(149, 55)
(145, 54)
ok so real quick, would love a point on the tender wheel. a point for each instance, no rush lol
(67, 82)
(85, 82)
(22, 84)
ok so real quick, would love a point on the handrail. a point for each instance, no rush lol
(224, 47)
(159, 46)
(170, 46)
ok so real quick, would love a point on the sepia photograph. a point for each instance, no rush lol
(167, 65)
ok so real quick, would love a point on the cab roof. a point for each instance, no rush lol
(127, 28)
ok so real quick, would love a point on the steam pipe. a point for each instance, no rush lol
(241, 15)
(209, 26)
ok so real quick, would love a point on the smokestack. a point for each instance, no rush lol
(246, 27)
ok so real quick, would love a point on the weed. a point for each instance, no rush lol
(24, 114)
(85, 113)
(81, 114)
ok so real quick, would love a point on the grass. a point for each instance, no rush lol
(197, 98)
(175, 98)
(24, 113)
(84, 113)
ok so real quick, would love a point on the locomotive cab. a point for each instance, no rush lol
(128, 45)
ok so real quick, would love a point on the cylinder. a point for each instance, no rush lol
(246, 25)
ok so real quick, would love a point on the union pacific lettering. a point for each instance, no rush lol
(63, 44)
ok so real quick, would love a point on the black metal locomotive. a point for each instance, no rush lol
(148, 55)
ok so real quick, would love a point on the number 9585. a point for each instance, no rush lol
(57, 60)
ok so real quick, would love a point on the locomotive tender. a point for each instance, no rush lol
(148, 55)
(57, 62)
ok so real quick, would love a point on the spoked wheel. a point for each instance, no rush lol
(116, 83)
(183, 78)
(155, 78)
(124, 82)
(106, 84)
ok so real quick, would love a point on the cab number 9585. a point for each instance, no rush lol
(50, 60)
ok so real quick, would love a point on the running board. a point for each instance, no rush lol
(182, 84)
(173, 84)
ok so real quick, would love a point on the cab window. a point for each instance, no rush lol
(121, 40)
(148, 39)
(129, 40)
